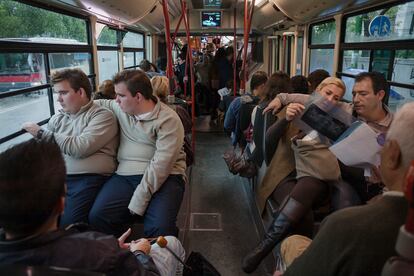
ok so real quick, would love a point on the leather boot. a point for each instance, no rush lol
(291, 212)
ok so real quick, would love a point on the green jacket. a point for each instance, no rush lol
(354, 241)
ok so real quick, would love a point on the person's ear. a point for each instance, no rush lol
(83, 93)
(393, 160)
(381, 94)
(61, 205)
(139, 96)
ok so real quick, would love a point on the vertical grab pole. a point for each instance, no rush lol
(243, 81)
(234, 51)
(170, 71)
(189, 49)
(247, 25)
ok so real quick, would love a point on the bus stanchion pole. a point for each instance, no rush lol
(234, 51)
(189, 50)
(170, 72)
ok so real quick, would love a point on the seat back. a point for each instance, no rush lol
(261, 123)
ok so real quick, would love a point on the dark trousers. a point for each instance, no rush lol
(80, 196)
(110, 213)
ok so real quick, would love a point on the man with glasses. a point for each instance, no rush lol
(87, 135)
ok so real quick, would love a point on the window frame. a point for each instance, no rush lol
(392, 45)
(318, 46)
(135, 49)
(9, 47)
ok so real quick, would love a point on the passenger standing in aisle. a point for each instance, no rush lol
(150, 178)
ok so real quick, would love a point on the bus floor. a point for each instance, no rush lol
(221, 228)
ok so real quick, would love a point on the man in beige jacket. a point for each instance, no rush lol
(150, 178)
(87, 135)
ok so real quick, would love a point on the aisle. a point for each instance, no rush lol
(223, 229)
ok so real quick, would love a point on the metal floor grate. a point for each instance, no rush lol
(205, 222)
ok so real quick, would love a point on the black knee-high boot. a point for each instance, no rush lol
(290, 213)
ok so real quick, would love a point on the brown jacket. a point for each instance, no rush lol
(282, 164)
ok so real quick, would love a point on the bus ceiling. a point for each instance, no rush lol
(147, 15)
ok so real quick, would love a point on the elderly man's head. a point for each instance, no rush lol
(398, 151)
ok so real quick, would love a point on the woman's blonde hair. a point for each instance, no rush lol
(160, 87)
(331, 80)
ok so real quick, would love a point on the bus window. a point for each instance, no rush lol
(21, 70)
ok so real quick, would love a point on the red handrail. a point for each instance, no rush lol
(190, 63)
(169, 71)
(248, 16)
(234, 51)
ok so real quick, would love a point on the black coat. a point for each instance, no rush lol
(90, 251)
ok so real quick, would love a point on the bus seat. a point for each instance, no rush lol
(270, 145)
(261, 123)
(22, 270)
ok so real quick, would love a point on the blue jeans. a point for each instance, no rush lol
(110, 213)
(80, 196)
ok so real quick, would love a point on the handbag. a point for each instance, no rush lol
(240, 163)
(314, 158)
(231, 157)
(198, 265)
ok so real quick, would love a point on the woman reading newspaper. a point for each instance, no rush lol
(315, 165)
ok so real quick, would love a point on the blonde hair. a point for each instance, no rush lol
(160, 87)
(331, 80)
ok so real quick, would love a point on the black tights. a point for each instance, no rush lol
(310, 191)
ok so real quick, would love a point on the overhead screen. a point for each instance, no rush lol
(211, 19)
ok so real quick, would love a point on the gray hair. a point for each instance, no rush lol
(401, 131)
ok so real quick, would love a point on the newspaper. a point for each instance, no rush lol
(327, 118)
(354, 142)
(358, 146)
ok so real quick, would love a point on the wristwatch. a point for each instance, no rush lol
(39, 134)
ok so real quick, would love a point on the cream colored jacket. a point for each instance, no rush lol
(152, 147)
(88, 139)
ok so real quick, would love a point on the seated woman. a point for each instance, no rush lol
(160, 86)
(308, 189)
(105, 91)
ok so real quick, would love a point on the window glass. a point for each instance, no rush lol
(349, 83)
(14, 141)
(403, 66)
(133, 40)
(299, 53)
(321, 59)
(385, 24)
(399, 96)
(107, 36)
(16, 110)
(138, 57)
(108, 64)
(355, 61)
(323, 33)
(60, 61)
(129, 59)
(27, 23)
(21, 70)
(381, 61)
